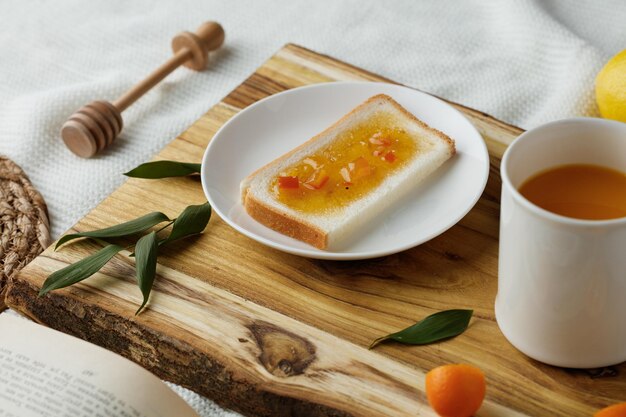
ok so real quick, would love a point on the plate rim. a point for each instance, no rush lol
(332, 255)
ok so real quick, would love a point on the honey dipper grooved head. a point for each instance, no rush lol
(92, 128)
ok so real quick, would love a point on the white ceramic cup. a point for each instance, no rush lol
(562, 281)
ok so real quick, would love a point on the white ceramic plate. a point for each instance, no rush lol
(275, 125)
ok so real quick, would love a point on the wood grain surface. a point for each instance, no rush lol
(272, 334)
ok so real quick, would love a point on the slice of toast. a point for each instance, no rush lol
(327, 228)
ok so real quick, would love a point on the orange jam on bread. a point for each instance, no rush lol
(352, 165)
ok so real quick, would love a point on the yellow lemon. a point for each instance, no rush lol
(611, 88)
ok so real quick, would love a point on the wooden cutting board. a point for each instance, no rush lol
(272, 334)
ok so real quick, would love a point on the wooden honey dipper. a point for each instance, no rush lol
(95, 126)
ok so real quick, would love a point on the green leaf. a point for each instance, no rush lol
(191, 221)
(137, 225)
(146, 260)
(80, 270)
(438, 326)
(163, 169)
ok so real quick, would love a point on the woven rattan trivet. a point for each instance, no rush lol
(24, 226)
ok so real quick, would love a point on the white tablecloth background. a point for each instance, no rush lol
(525, 62)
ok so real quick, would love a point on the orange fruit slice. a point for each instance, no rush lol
(456, 390)
(615, 410)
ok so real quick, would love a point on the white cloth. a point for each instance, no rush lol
(525, 62)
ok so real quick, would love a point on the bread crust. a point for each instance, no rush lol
(297, 228)
(423, 125)
(284, 223)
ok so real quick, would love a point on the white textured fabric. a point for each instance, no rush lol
(525, 62)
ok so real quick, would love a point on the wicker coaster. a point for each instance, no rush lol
(24, 226)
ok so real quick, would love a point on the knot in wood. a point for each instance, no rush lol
(282, 353)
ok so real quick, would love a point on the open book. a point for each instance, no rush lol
(47, 373)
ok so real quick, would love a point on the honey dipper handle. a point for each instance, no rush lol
(141, 88)
(190, 49)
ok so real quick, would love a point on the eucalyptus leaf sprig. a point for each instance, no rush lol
(163, 169)
(438, 326)
(191, 221)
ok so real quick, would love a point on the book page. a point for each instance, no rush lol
(44, 373)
